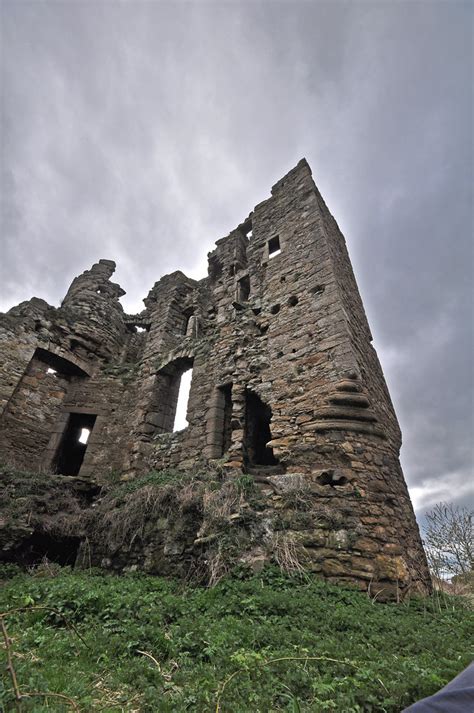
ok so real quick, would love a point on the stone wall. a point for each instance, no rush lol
(286, 385)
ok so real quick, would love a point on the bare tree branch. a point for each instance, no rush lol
(449, 539)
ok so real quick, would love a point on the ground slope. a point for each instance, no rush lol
(266, 643)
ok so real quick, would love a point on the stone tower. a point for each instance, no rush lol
(286, 385)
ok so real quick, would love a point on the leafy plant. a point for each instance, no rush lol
(271, 642)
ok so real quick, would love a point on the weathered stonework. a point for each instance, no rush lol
(286, 386)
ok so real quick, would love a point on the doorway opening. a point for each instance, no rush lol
(73, 444)
(258, 416)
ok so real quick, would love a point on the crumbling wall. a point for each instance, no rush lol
(63, 361)
(286, 387)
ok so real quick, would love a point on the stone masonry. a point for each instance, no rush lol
(286, 385)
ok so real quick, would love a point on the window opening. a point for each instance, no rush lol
(59, 364)
(332, 478)
(137, 328)
(243, 289)
(274, 246)
(258, 416)
(73, 445)
(293, 301)
(275, 309)
(246, 229)
(189, 324)
(214, 268)
(180, 420)
(84, 437)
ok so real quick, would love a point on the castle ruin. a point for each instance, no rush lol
(286, 386)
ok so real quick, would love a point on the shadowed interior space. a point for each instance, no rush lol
(257, 431)
(40, 545)
(73, 444)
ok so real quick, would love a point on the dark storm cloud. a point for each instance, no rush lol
(144, 131)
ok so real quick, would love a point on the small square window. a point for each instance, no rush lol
(274, 246)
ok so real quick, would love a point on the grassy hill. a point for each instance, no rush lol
(265, 643)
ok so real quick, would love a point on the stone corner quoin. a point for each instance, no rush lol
(286, 386)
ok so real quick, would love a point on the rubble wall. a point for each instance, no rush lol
(286, 385)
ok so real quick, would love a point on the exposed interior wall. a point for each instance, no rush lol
(33, 409)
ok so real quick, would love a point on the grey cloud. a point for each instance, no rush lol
(145, 131)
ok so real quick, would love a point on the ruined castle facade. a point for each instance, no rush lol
(286, 385)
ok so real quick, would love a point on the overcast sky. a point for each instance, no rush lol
(144, 131)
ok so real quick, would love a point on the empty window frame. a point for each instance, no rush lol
(184, 388)
(73, 445)
(243, 289)
(214, 268)
(164, 414)
(246, 229)
(274, 248)
(190, 323)
(137, 327)
(257, 434)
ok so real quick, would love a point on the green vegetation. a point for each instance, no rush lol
(267, 643)
(41, 501)
(155, 478)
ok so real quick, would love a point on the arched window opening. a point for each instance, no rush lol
(190, 324)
